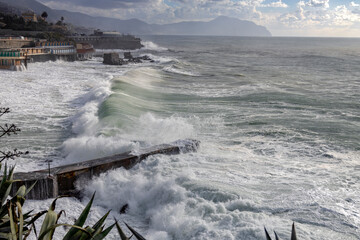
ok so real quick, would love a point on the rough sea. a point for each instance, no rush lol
(278, 120)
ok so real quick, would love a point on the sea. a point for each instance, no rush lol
(278, 120)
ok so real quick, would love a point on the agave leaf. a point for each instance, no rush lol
(293, 232)
(103, 234)
(35, 232)
(36, 217)
(6, 184)
(52, 228)
(21, 191)
(5, 229)
(101, 221)
(267, 234)
(21, 221)
(12, 222)
(96, 232)
(80, 221)
(5, 235)
(28, 214)
(121, 232)
(48, 223)
(30, 188)
(27, 233)
(53, 204)
(83, 236)
(50, 220)
(136, 234)
(4, 175)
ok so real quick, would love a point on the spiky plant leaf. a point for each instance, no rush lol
(267, 234)
(80, 221)
(36, 217)
(30, 188)
(136, 234)
(12, 222)
(103, 234)
(293, 232)
(21, 191)
(52, 228)
(48, 223)
(84, 236)
(50, 220)
(6, 184)
(21, 220)
(121, 232)
(101, 221)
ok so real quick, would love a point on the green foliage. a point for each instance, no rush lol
(124, 237)
(18, 23)
(52, 36)
(15, 225)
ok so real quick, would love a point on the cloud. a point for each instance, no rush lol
(297, 15)
(317, 15)
(278, 4)
(353, 4)
(318, 3)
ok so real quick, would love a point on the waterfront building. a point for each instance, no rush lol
(13, 60)
(84, 51)
(16, 42)
(58, 48)
(110, 40)
(29, 16)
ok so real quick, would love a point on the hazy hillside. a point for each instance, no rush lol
(224, 26)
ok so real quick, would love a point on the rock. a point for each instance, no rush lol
(112, 59)
(146, 58)
(124, 209)
(127, 55)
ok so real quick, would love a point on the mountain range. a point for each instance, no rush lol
(223, 26)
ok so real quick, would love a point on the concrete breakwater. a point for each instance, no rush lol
(52, 57)
(62, 180)
(111, 42)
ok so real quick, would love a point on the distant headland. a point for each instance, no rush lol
(220, 26)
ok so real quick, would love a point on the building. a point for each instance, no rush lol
(29, 17)
(110, 40)
(59, 50)
(84, 51)
(16, 42)
(13, 60)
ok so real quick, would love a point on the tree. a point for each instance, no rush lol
(44, 15)
(7, 130)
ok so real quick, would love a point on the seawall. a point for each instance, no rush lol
(61, 180)
(122, 42)
(52, 57)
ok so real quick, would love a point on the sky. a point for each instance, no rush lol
(323, 18)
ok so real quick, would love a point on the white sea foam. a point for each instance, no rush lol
(174, 69)
(148, 45)
(162, 59)
(156, 130)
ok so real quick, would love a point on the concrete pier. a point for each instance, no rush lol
(61, 180)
